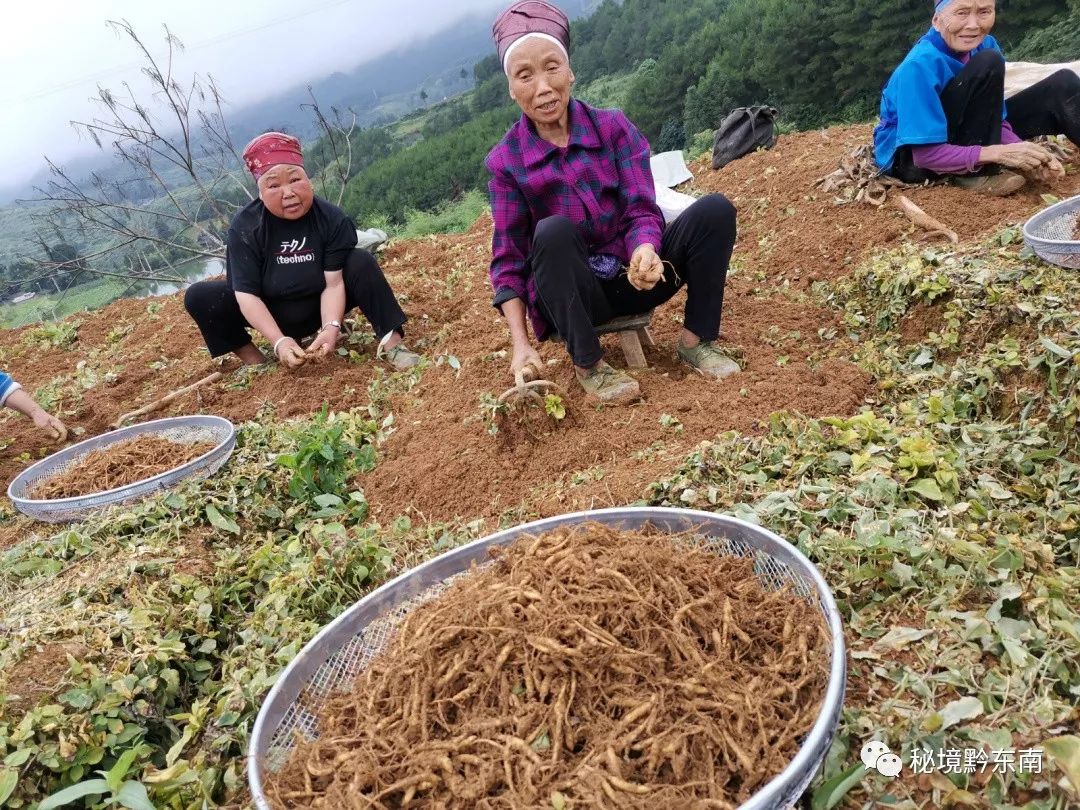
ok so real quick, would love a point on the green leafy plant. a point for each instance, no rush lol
(117, 334)
(112, 786)
(555, 407)
(491, 412)
(55, 334)
(327, 454)
(671, 423)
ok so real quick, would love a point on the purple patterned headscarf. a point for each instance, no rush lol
(530, 17)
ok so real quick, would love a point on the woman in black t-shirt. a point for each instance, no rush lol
(292, 270)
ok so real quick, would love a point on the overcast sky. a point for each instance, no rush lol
(56, 52)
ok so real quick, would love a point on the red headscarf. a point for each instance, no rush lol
(530, 17)
(272, 149)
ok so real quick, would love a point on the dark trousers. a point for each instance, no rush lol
(697, 244)
(973, 104)
(216, 311)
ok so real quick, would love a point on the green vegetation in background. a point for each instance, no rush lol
(1057, 42)
(607, 92)
(693, 62)
(451, 217)
(425, 175)
(822, 62)
(53, 306)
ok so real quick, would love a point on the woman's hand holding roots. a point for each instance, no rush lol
(1048, 172)
(646, 269)
(290, 354)
(51, 425)
(324, 344)
(1025, 157)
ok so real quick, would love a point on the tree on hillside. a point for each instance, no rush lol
(175, 150)
(824, 61)
(430, 172)
(659, 94)
(335, 148)
(1056, 42)
(489, 89)
(181, 150)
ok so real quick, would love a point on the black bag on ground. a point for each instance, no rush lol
(744, 130)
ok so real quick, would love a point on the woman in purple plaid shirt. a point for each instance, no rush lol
(574, 205)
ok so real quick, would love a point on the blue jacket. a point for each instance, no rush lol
(7, 387)
(911, 111)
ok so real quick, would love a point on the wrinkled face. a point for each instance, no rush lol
(964, 24)
(540, 81)
(286, 191)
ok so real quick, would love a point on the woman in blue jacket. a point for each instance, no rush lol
(943, 112)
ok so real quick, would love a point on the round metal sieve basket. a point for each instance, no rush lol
(344, 648)
(1051, 233)
(180, 429)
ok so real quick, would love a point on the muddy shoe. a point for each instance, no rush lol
(708, 359)
(1001, 184)
(609, 385)
(399, 357)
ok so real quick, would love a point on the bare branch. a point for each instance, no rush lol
(176, 180)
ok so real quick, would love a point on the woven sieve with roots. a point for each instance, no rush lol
(1052, 234)
(180, 430)
(331, 662)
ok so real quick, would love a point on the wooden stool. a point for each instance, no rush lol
(633, 334)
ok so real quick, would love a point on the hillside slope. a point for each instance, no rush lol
(907, 415)
(790, 236)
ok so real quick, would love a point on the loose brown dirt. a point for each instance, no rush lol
(443, 463)
(196, 557)
(40, 673)
(923, 320)
(792, 232)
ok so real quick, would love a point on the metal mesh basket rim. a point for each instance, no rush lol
(343, 648)
(221, 430)
(1050, 233)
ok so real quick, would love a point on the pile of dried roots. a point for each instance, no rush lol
(119, 465)
(584, 668)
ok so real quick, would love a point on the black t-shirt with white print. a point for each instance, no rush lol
(283, 260)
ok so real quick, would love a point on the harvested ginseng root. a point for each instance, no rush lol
(599, 667)
(119, 465)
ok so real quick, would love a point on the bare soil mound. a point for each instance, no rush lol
(443, 462)
(793, 231)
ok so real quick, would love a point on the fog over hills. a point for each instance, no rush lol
(378, 90)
